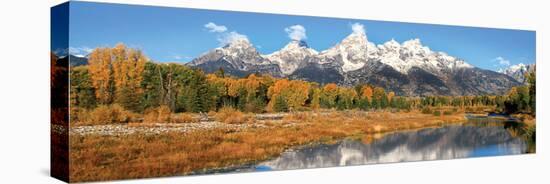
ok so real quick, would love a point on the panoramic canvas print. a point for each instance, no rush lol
(145, 91)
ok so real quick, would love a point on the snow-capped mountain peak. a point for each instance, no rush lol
(518, 71)
(355, 43)
(238, 45)
(352, 52)
(355, 38)
(408, 68)
(513, 68)
(292, 56)
(242, 50)
(239, 57)
(298, 46)
(414, 46)
(392, 44)
(412, 53)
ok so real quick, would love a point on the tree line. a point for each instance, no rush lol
(125, 76)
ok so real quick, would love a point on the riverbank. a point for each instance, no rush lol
(168, 153)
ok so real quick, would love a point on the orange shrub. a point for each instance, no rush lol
(230, 115)
(161, 114)
(106, 114)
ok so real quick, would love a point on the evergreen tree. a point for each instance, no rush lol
(82, 91)
(363, 104)
(151, 87)
(531, 81)
(280, 104)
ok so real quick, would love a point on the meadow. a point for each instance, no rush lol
(100, 157)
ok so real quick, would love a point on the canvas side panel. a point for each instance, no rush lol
(59, 82)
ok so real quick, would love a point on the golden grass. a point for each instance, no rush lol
(298, 117)
(105, 114)
(137, 156)
(184, 118)
(232, 116)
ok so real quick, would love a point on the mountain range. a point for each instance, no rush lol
(407, 68)
(518, 71)
(78, 60)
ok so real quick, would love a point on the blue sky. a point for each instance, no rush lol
(179, 34)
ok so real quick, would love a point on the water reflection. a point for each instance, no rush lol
(426, 144)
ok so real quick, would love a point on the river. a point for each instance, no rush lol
(448, 142)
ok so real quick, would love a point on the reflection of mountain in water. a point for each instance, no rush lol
(427, 144)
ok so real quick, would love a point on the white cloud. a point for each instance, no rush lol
(502, 61)
(80, 51)
(231, 37)
(358, 28)
(224, 37)
(296, 32)
(181, 57)
(212, 27)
